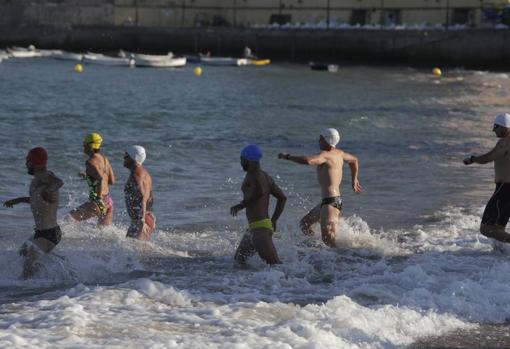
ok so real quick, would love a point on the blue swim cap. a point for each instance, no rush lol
(251, 152)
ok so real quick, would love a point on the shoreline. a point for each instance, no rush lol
(470, 48)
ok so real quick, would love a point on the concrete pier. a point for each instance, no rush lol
(480, 48)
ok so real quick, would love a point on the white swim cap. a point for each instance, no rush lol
(331, 136)
(503, 120)
(137, 153)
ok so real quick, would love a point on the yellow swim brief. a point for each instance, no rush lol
(263, 223)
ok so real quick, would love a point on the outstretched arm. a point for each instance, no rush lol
(314, 160)
(498, 151)
(352, 161)
(12, 202)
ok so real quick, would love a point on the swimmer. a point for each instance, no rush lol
(43, 200)
(497, 212)
(329, 164)
(257, 187)
(98, 175)
(138, 194)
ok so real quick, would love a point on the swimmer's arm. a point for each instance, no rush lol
(280, 203)
(498, 151)
(111, 176)
(21, 200)
(143, 184)
(314, 160)
(352, 161)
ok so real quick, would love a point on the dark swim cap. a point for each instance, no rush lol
(251, 152)
(38, 156)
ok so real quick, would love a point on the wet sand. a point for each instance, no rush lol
(483, 337)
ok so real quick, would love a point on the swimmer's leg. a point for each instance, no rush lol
(310, 219)
(496, 215)
(86, 211)
(263, 243)
(106, 218)
(32, 250)
(245, 249)
(329, 220)
(495, 232)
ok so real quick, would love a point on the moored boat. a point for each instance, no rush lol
(259, 62)
(223, 61)
(99, 58)
(68, 56)
(332, 68)
(167, 62)
(22, 52)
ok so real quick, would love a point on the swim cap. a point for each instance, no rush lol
(503, 120)
(38, 156)
(331, 136)
(94, 139)
(251, 152)
(136, 153)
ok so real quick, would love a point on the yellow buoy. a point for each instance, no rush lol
(197, 71)
(78, 68)
(437, 72)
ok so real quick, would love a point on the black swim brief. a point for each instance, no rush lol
(53, 235)
(335, 201)
(497, 211)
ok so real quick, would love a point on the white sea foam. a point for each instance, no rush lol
(380, 289)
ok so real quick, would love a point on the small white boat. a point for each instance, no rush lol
(223, 61)
(168, 62)
(21, 52)
(99, 58)
(68, 56)
(50, 53)
(144, 56)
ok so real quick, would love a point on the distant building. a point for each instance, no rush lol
(254, 13)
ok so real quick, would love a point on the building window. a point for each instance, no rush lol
(392, 17)
(358, 17)
(462, 16)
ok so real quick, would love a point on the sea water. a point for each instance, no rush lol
(410, 262)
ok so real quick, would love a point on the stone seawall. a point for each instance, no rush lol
(482, 48)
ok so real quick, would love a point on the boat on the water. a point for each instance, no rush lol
(223, 61)
(167, 62)
(22, 52)
(50, 53)
(332, 68)
(259, 62)
(99, 58)
(147, 57)
(68, 56)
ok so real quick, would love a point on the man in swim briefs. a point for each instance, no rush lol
(138, 194)
(257, 187)
(99, 175)
(43, 202)
(329, 164)
(497, 212)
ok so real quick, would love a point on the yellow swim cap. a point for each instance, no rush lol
(94, 139)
